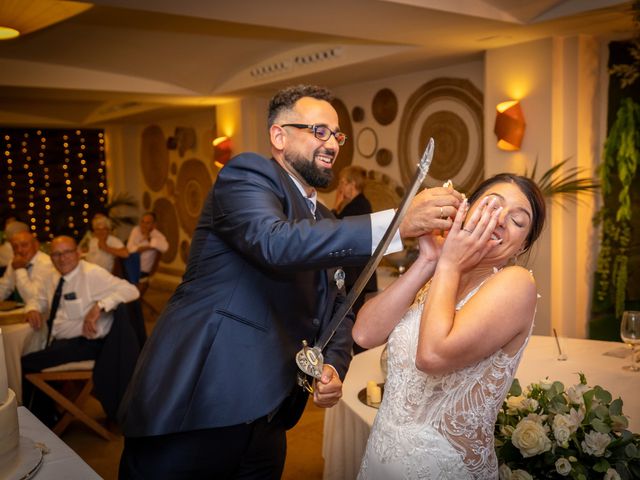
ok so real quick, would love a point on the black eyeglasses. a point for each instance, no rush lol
(321, 132)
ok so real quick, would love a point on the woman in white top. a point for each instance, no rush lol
(456, 322)
(103, 247)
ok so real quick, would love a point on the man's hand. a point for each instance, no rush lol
(34, 318)
(19, 261)
(328, 390)
(432, 209)
(89, 329)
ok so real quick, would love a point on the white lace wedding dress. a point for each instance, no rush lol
(436, 426)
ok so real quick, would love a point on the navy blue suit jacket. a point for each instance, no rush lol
(259, 280)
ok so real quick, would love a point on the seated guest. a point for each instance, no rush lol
(11, 227)
(103, 248)
(149, 242)
(80, 298)
(29, 269)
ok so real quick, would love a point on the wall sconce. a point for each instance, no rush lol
(222, 147)
(509, 127)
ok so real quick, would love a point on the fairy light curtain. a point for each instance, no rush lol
(52, 179)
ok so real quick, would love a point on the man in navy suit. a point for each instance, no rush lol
(215, 387)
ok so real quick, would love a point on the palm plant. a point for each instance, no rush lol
(558, 184)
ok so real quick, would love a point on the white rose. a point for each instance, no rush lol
(611, 475)
(504, 472)
(520, 475)
(575, 393)
(563, 426)
(530, 438)
(563, 467)
(545, 384)
(514, 404)
(595, 443)
(576, 417)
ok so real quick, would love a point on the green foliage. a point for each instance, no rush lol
(560, 183)
(547, 432)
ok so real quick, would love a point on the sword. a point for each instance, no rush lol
(310, 359)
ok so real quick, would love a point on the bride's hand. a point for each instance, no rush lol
(465, 247)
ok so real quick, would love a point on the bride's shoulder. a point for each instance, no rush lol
(516, 278)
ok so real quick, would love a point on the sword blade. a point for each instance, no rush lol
(340, 314)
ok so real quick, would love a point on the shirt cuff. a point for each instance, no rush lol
(379, 223)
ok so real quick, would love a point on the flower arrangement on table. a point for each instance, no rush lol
(547, 432)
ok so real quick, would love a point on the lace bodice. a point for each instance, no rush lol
(421, 413)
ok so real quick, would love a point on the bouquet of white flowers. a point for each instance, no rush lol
(581, 433)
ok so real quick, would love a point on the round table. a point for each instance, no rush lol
(347, 425)
(19, 339)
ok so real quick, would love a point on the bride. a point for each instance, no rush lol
(456, 322)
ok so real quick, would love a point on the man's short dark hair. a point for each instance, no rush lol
(286, 98)
(150, 214)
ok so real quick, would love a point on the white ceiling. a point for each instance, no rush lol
(123, 59)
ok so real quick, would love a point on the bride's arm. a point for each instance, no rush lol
(381, 314)
(500, 312)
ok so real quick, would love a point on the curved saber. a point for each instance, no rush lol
(310, 359)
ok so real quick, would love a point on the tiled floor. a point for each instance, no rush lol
(304, 455)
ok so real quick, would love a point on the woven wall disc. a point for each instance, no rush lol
(186, 139)
(168, 225)
(384, 157)
(384, 106)
(154, 157)
(451, 111)
(357, 113)
(194, 182)
(367, 142)
(170, 188)
(174, 168)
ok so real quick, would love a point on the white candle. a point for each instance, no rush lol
(376, 394)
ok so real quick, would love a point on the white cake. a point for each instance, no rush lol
(9, 430)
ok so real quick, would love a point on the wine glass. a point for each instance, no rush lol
(630, 334)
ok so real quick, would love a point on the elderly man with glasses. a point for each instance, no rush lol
(215, 387)
(80, 298)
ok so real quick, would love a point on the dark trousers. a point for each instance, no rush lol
(59, 352)
(253, 450)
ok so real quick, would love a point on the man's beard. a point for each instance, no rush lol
(315, 176)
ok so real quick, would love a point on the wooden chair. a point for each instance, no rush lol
(106, 377)
(72, 402)
(143, 285)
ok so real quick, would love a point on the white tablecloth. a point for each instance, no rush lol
(347, 425)
(19, 339)
(61, 462)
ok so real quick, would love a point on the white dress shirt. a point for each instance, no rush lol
(84, 286)
(98, 256)
(30, 280)
(158, 242)
(380, 221)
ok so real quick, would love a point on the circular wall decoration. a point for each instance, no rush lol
(357, 114)
(174, 168)
(384, 106)
(167, 224)
(367, 142)
(451, 111)
(382, 191)
(184, 251)
(194, 182)
(384, 156)
(154, 157)
(146, 200)
(345, 157)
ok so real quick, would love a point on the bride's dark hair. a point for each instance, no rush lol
(530, 190)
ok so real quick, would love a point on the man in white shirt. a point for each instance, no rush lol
(11, 227)
(80, 298)
(28, 269)
(148, 241)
